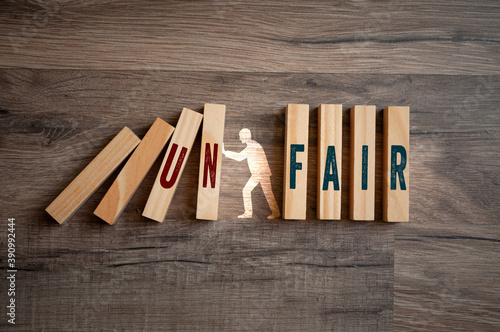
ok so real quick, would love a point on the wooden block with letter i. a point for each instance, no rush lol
(362, 166)
(173, 165)
(134, 171)
(295, 175)
(99, 169)
(396, 176)
(329, 161)
(210, 162)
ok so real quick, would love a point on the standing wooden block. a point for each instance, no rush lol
(396, 176)
(329, 161)
(134, 171)
(295, 175)
(99, 169)
(210, 162)
(362, 184)
(173, 165)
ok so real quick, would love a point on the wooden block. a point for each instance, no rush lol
(362, 184)
(173, 165)
(329, 161)
(210, 162)
(99, 169)
(134, 171)
(396, 176)
(295, 175)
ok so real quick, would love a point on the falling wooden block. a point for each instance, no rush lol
(210, 162)
(295, 175)
(362, 184)
(396, 176)
(99, 169)
(173, 165)
(329, 161)
(134, 171)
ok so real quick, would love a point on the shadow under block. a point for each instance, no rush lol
(134, 171)
(295, 173)
(173, 165)
(329, 161)
(396, 167)
(87, 182)
(362, 165)
(210, 162)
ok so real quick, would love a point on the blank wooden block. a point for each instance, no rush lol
(396, 176)
(173, 165)
(362, 166)
(210, 161)
(134, 171)
(99, 169)
(295, 175)
(329, 161)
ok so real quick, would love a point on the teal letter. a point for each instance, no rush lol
(364, 168)
(294, 166)
(331, 162)
(395, 149)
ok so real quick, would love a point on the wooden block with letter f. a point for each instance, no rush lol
(396, 176)
(173, 165)
(210, 161)
(295, 174)
(362, 166)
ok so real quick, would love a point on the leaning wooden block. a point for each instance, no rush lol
(362, 184)
(329, 161)
(210, 162)
(99, 169)
(295, 175)
(134, 171)
(173, 165)
(396, 176)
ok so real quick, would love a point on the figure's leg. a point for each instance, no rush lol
(247, 198)
(265, 183)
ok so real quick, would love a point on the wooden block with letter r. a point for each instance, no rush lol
(210, 161)
(329, 161)
(91, 178)
(173, 165)
(295, 174)
(362, 165)
(396, 176)
(134, 171)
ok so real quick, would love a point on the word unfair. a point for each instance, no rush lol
(362, 166)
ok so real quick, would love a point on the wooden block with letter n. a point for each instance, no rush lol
(362, 166)
(329, 161)
(295, 175)
(396, 176)
(134, 171)
(210, 161)
(173, 165)
(99, 169)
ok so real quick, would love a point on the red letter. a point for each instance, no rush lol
(163, 179)
(210, 164)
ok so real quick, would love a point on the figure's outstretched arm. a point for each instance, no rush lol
(233, 155)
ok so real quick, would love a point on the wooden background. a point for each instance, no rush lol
(73, 73)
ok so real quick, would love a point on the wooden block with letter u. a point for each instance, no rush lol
(173, 165)
(210, 162)
(396, 176)
(295, 175)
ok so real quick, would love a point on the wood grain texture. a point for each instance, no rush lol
(92, 176)
(134, 171)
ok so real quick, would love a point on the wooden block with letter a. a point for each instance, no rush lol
(396, 176)
(362, 166)
(99, 169)
(295, 175)
(134, 171)
(210, 161)
(329, 161)
(173, 165)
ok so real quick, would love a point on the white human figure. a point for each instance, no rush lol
(261, 173)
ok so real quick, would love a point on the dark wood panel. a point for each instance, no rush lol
(425, 37)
